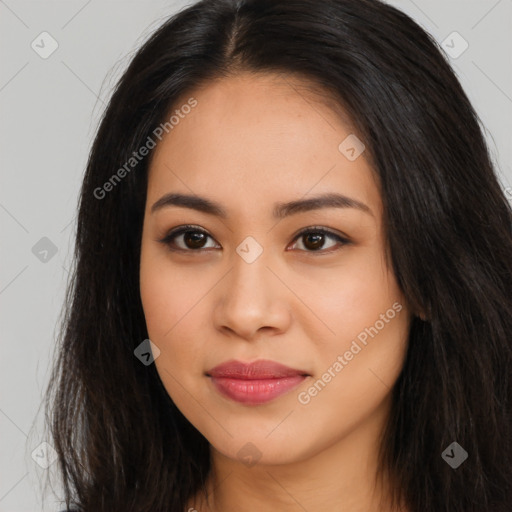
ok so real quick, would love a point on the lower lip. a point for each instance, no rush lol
(255, 391)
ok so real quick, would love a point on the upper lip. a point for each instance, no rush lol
(262, 369)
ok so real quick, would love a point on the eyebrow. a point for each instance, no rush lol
(281, 210)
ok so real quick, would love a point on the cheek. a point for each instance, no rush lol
(168, 294)
(171, 300)
(351, 296)
(368, 326)
(171, 322)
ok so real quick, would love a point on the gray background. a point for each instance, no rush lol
(50, 109)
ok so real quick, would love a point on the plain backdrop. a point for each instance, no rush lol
(50, 107)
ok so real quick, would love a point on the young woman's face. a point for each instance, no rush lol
(249, 285)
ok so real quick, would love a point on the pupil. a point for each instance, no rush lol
(194, 239)
(315, 239)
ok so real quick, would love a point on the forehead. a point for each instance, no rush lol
(253, 138)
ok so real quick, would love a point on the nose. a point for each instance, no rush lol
(252, 300)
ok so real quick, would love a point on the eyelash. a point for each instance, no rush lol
(167, 240)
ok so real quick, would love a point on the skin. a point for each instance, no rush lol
(253, 141)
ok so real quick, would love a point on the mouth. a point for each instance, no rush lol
(254, 383)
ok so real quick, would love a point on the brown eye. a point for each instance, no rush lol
(187, 238)
(314, 239)
(194, 239)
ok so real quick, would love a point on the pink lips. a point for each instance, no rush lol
(254, 383)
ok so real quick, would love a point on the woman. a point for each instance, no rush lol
(293, 278)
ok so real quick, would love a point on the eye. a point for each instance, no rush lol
(190, 238)
(313, 240)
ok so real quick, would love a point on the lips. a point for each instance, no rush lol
(255, 383)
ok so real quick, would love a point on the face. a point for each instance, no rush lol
(254, 278)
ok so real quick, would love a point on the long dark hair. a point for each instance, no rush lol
(121, 442)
